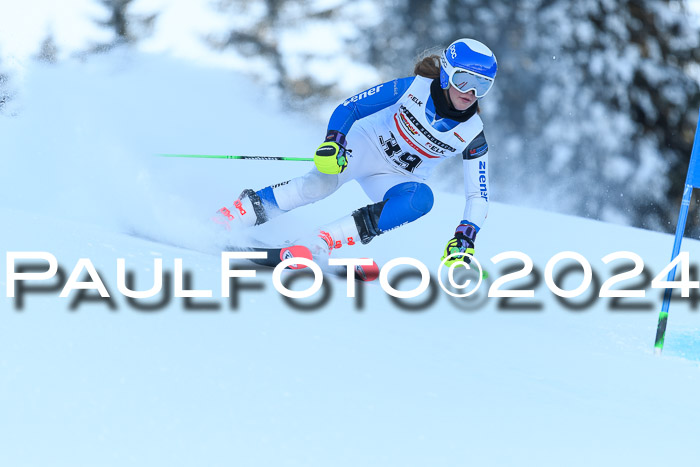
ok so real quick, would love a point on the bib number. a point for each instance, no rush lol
(405, 160)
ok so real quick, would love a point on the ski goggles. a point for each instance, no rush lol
(465, 81)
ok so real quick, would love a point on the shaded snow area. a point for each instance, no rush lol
(260, 380)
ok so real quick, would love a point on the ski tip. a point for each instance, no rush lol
(367, 273)
(296, 251)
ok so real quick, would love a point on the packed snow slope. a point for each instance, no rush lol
(257, 380)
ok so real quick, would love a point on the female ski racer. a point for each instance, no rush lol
(395, 134)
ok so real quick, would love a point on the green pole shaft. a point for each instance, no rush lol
(256, 158)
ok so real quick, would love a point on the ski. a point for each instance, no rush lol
(276, 255)
(362, 273)
(367, 273)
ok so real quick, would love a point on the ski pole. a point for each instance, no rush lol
(692, 180)
(256, 158)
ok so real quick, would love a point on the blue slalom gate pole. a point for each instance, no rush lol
(680, 228)
(692, 180)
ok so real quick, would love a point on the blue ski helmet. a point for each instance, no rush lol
(468, 65)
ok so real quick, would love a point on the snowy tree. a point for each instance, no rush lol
(48, 50)
(4, 89)
(608, 123)
(304, 48)
(127, 27)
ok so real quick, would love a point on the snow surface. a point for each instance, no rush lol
(259, 382)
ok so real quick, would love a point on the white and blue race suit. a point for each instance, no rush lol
(396, 138)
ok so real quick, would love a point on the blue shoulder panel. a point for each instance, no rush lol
(366, 103)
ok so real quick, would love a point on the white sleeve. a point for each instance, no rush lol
(476, 181)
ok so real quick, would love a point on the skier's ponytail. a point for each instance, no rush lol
(428, 67)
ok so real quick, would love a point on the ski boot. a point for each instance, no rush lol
(331, 237)
(247, 210)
